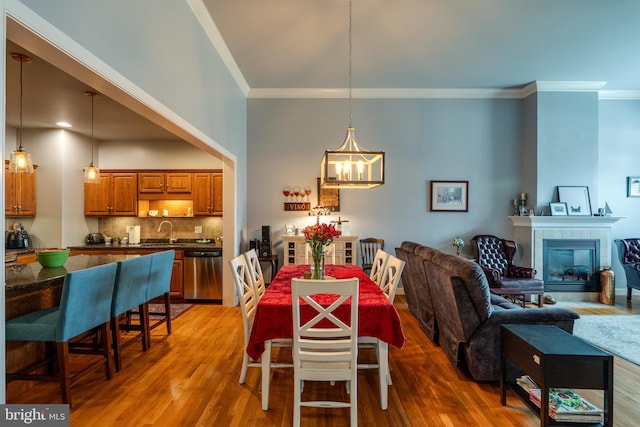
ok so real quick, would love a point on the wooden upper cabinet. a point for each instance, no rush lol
(115, 195)
(164, 185)
(207, 194)
(19, 193)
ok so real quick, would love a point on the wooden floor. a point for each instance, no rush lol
(190, 378)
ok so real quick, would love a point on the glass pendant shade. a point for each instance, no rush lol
(20, 161)
(351, 166)
(91, 174)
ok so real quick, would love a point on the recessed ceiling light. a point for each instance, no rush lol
(64, 124)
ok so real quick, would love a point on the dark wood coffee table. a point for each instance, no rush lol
(554, 358)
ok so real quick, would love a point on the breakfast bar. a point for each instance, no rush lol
(30, 287)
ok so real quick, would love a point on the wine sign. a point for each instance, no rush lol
(295, 198)
(297, 206)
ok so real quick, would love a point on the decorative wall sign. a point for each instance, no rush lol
(291, 206)
(633, 186)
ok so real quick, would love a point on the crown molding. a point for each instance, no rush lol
(206, 22)
(399, 93)
(619, 94)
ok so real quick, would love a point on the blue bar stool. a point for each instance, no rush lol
(130, 291)
(85, 304)
(159, 284)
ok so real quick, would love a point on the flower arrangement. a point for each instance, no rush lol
(318, 236)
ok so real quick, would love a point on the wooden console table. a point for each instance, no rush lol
(553, 357)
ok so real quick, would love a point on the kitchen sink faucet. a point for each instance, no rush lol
(171, 239)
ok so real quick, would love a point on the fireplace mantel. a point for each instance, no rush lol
(564, 221)
(531, 231)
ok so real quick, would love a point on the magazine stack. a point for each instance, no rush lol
(565, 405)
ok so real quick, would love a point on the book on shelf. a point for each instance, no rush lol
(565, 405)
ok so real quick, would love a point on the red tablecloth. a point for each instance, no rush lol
(377, 317)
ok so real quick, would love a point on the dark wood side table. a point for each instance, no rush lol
(554, 358)
(273, 260)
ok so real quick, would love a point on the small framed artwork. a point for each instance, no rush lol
(577, 200)
(290, 229)
(329, 198)
(633, 186)
(449, 196)
(558, 208)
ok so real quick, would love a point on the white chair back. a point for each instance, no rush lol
(329, 251)
(391, 277)
(327, 353)
(255, 273)
(248, 303)
(378, 265)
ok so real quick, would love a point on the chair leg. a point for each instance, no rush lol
(147, 322)
(353, 400)
(245, 365)
(167, 310)
(628, 293)
(106, 347)
(115, 339)
(62, 353)
(144, 327)
(297, 392)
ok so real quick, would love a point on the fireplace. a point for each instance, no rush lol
(531, 233)
(571, 265)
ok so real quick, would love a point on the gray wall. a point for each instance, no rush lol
(476, 140)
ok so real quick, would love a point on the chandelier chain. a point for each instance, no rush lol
(350, 60)
(21, 64)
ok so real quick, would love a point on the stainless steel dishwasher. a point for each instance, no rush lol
(203, 274)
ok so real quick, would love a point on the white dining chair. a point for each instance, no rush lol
(255, 273)
(329, 251)
(391, 277)
(248, 304)
(389, 285)
(378, 265)
(328, 353)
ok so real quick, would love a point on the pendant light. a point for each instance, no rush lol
(351, 165)
(91, 172)
(20, 160)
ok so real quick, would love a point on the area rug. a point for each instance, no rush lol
(176, 310)
(617, 334)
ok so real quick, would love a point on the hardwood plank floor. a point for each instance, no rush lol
(190, 378)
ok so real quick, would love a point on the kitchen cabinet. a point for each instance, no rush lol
(19, 193)
(207, 194)
(164, 185)
(294, 250)
(115, 195)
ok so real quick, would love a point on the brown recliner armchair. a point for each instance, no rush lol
(495, 256)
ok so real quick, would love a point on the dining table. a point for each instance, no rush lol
(377, 318)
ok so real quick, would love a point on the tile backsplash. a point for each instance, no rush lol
(183, 227)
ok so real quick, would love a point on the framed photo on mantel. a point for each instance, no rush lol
(577, 200)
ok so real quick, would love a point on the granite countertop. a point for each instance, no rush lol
(33, 276)
(158, 244)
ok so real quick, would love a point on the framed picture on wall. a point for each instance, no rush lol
(558, 208)
(449, 196)
(329, 197)
(577, 200)
(633, 186)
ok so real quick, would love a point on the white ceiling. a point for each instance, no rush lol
(432, 43)
(397, 44)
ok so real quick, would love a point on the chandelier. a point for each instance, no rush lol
(351, 165)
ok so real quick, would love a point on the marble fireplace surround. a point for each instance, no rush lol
(531, 231)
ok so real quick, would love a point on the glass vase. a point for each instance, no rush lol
(318, 266)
